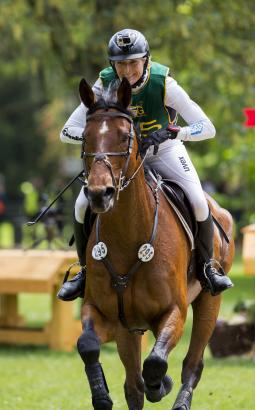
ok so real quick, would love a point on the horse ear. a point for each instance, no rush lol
(124, 93)
(86, 93)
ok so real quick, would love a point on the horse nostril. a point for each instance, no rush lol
(110, 191)
(98, 194)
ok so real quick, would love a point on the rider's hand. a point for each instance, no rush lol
(157, 137)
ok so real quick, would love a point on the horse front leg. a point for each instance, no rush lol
(95, 332)
(129, 348)
(167, 332)
(205, 313)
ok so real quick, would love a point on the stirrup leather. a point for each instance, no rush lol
(77, 263)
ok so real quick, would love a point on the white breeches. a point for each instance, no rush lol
(172, 162)
(80, 207)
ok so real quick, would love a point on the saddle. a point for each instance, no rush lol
(181, 205)
(178, 201)
(177, 196)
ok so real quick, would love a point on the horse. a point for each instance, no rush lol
(138, 256)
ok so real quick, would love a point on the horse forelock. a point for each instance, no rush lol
(109, 93)
(108, 99)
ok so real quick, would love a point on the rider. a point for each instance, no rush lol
(156, 100)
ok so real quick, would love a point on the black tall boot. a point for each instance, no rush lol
(75, 287)
(210, 274)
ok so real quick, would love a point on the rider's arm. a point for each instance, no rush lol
(74, 126)
(199, 126)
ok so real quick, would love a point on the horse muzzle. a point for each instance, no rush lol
(101, 198)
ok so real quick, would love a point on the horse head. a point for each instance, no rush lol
(108, 142)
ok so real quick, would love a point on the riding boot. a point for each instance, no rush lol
(75, 287)
(210, 273)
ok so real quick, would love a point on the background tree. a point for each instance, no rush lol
(48, 45)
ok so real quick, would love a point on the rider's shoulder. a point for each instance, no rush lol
(157, 69)
(171, 81)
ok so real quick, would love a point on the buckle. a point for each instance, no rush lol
(120, 283)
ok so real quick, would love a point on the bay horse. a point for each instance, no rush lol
(138, 257)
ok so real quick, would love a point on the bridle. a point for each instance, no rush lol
(103, 157)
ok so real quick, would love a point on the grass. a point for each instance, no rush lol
(39, 379)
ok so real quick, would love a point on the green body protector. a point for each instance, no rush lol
(148, 103)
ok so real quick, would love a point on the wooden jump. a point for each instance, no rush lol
(36, 272)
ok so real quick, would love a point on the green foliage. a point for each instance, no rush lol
(48, 45)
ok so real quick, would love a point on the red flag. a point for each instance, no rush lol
(250, 117)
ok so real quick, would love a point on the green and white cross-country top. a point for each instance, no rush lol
(148, 102)
(152, 101)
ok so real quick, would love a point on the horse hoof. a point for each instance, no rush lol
(102, 404)
(154, 369)
(156, 394)
(180, 408)
(184, 398)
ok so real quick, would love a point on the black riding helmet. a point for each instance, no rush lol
(127, 44)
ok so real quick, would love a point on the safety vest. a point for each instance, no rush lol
(148, 103)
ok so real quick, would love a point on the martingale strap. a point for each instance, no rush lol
(120, 283)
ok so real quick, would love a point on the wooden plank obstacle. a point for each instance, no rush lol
(36, 272)
(248, 249)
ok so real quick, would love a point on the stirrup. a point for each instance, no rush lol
(73, 288)
(219, 269)
(217, 281)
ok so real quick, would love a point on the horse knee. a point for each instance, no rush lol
(88, 346)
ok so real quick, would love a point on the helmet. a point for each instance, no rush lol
(127, 44)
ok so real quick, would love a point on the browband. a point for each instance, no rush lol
(101, 104)
(109, 114)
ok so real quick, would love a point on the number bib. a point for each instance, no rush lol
(99, 251)
(146, 252)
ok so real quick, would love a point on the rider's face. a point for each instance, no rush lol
(131, 69)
